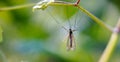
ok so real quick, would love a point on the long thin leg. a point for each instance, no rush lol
(56, 20)
(75, 20)
(68, 17)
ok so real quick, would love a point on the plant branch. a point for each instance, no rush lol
(77, 2)
(95, 19)
(111, 45)
(16, 7)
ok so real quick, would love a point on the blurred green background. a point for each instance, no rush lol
(36, 37)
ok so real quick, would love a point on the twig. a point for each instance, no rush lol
(16, 7)
(77, 2)
(95, 19)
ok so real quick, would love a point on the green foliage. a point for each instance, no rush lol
(35, 37)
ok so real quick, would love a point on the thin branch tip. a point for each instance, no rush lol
(117, 28)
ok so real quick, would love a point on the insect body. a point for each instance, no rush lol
(71, 40)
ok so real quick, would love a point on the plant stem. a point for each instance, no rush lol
(111, 45)
(77, 2)
(16, 7)
(95, 19)
(110, 48)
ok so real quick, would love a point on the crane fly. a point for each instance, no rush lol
(70, 41)
(70, 44)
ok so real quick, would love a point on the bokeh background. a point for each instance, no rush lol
(36, 37)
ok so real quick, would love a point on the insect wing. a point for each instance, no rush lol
(73, 43)
(69, 43)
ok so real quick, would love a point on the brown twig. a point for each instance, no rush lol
(77, 2)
